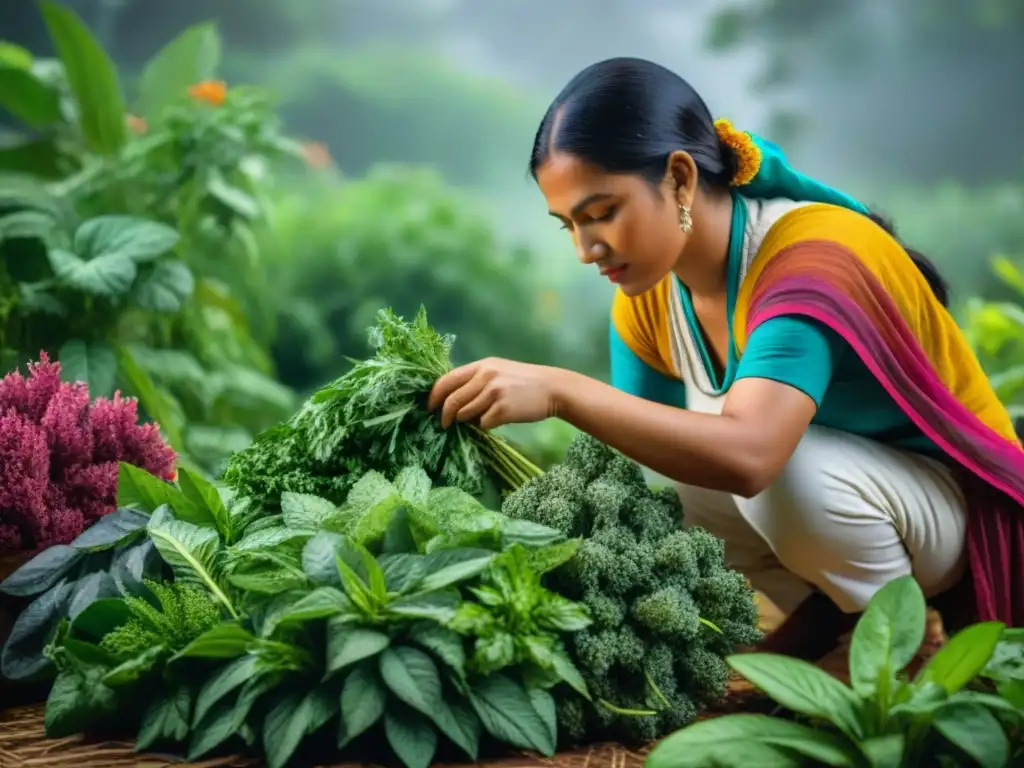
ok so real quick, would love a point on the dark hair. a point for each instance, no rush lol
(628, 115)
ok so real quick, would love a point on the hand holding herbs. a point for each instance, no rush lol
(375, 417)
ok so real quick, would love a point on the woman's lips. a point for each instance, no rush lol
(615, 274)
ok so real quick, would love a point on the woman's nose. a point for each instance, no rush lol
(590, 251)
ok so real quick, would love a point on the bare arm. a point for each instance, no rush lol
(742, 451)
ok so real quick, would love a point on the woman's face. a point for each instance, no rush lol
(618, 222)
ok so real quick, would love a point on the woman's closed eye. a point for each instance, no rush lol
(604, 218)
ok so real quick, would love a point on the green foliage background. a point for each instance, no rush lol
(328, 184)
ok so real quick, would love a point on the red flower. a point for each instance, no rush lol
(59, 453)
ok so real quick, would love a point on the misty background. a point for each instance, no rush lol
(423, 113)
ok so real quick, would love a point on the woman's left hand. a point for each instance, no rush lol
(494, 392)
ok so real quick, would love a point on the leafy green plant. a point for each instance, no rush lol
(357, 644)
(127, 242)
(111, 558)
(665, 609)
(375, 417)
(883, 718)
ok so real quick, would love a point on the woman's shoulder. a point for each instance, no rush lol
(825, 222)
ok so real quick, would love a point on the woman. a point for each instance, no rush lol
(780, 355)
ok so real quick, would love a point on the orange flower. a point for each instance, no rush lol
(317, 155)
(136, 124)
(211, 91)
(748, 154)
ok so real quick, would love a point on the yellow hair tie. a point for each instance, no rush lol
(748, 154)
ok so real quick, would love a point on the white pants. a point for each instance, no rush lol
(847, 515)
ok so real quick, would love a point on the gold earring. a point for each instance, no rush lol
(685, 218)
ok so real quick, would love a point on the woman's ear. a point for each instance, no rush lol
(680, 180)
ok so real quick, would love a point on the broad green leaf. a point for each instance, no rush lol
(94, 364)
(548, 558)
(885, 751)
(153, 401)
(529, 533)
(110, 275)
(100, 618)
(561, 614)
(961, 659)
(37, 299)
(370, 489)
(451, 566)
(283, 730)
(130, 671)
(270, 538)
(507, 713)
(32, 630)
(228, 640)
(544, 703)
(802, 687)
(77, 701)
(412, 676)
(166, 287)
(996, 703)
(26, 97)
(138, 489)
(976, 731)
(190, 551)
(398, 537)
(27, 224)
(228, 717)
(740, 740)
(358, 591)
(166, 719)
(226, 680)
(568, 672)
(135, 239)
(413, 484)
(319, 558)
(363, 698)
(401, 571)
(435, 606)
(92, 78)
(321, 603)
(411, 737)
(42, 571)
(111, 530)
(887, 635)
(305, 512)
(12, 55)
(291, 720)
(206, 497)
(267, 573)
(445, 644)
(237, 200)
(191, 57)
(347, 644)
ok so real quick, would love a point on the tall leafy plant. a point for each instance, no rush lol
(884, 719)
(127, 240)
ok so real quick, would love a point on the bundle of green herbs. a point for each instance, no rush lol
(375, 417)
(409, 616)
(666, 610)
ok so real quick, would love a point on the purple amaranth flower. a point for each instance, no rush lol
(59, 455)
